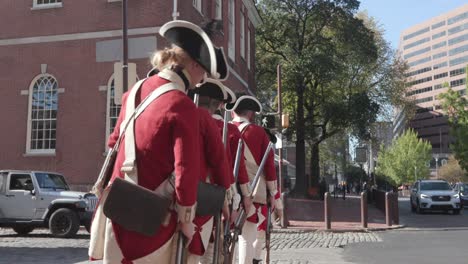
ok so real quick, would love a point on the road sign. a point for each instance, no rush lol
(361, 155)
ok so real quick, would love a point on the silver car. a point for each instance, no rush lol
(434, 195)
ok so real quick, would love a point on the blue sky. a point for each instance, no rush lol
(398, 15)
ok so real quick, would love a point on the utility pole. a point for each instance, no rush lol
(284, 219)
(415, 173)
(125, 47)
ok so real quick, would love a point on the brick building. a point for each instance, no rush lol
(57, 61)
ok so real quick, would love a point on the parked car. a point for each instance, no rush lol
(434, 195)
(462, 189)
(32, 199)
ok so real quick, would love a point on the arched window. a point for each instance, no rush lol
(42, 117)
(113, 110)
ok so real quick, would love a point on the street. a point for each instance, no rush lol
(427, 238)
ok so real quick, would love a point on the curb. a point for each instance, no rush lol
(355, 230)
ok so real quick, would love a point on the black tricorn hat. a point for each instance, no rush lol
(246, 102)
(221, 63)
(231, 96)
(196, 43)
(213, 89)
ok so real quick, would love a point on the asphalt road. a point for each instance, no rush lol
(430, 238)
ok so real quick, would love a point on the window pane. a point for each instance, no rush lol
(44, 113)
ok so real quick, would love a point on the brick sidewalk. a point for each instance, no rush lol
(345, 214)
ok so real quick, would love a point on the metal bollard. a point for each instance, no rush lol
(327, 212)
(284, 220)
(395, 211)
(364, 212)
(388, 209)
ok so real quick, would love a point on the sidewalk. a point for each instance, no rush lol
(345, 214)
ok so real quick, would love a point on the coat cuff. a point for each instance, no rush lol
(245, 189)
(272, 187)
(185, 214)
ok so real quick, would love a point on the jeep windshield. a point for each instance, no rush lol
(51, 181)
(435, 186)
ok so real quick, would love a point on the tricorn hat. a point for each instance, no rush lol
(213, 89)
(197, 44)
(246, 102)
(221, 63)
(231, 96)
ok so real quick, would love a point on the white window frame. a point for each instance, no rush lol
(219, 9)
(198, 5)
(248, 48)
(46, 6)
(109, 101)
(242, 35)
(232, 30)
(43, 151)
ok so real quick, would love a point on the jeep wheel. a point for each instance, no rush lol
(64, 223)
(88, 226)
(23, 230)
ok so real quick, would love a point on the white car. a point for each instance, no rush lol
(31, 199)
(434, 195)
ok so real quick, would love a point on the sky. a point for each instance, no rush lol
(398, 15)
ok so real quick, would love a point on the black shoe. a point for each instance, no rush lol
(257, 261)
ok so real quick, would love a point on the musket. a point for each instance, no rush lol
(227, 229)
(268, 233)
(180, 249)
(218, 217)
(243, 214)
(196, 98)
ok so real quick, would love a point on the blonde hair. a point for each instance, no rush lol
(168, 57)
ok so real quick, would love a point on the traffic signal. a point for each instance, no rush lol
(268, 121)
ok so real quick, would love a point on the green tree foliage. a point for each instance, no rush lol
(452, 172)
(456, 108)
(337, 71)
(405, 159)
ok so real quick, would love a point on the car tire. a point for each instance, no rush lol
(23, 230)
(64, 223)
(88, 226)
(456, 211)
(419, 210)
(413, 209)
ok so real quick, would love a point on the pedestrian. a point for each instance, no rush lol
(322, 188)
(256, 143)
(166, 140)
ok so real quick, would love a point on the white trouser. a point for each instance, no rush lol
(259, 244)
(207, 258)
(192, 259)
(246, 243)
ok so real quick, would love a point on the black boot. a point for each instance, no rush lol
(257, 261)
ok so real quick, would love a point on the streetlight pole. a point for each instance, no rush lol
(415, 173)
(124, 47)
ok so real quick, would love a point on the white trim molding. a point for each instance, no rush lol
(254, 17)
(77, 36)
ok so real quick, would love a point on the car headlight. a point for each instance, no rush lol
(456, 196)
(425, 196)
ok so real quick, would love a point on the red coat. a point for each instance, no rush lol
(257, 140)
(231, 151)
(213, 162)
(167, 140)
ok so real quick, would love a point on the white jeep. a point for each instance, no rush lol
(32, 199)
